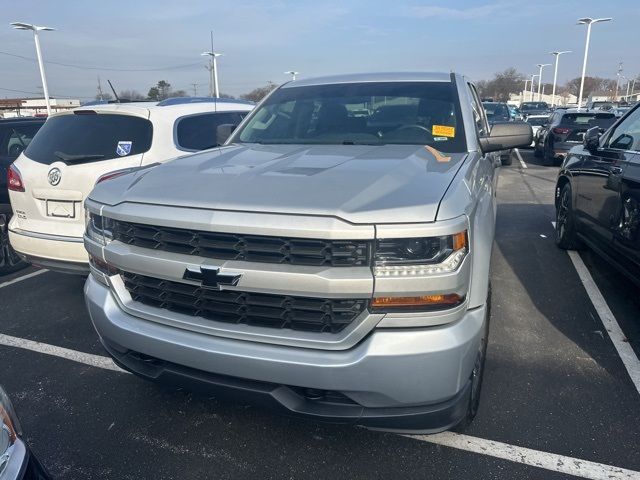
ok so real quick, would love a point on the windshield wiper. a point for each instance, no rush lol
(66, 157)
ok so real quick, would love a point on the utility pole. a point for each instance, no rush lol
(195, 89)
(588, 22)
(620, 69)
(35, 29)
(533, 76)
(541, 66)
(100, 94)
(214, 91)
(555, 75)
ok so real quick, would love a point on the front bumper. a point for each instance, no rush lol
(63, 254)
(23, 465)
(407, 379)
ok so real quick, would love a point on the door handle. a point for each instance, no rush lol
(616, 170)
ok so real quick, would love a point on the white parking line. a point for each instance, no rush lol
(512, 453)
(620, 341)
(73, 355)
(528, 456)
(24, 277)
(522, 164)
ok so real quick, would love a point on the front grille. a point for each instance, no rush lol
(251, 248)
(258, 309)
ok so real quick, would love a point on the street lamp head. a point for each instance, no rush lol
(562, 52)
(292, 72)
(541, 65)
(29, 26)
(211, 54)
(588, 20)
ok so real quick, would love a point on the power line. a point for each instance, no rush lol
(38, 93)
(112, 69)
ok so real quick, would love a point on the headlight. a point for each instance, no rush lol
(420, 256)
(9, 433)
(99, 228)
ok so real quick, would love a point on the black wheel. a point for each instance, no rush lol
(536, 151)
(478, 373)
(566, 237)
(549, 157)
(506, 159)
(9, 260)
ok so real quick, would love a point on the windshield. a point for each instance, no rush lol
(87, 137)
(410, 113)
(496, 110)
(588, 119)
(537, 121)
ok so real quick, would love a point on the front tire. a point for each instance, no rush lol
(566, 234)
(549, 157)
(477, 374)
(9, 260)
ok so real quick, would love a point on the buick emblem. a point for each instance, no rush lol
(54, 176)
(210, 278)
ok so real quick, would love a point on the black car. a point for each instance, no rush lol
(534, 108)
(565, 129)
(598, 195)
(17, 461)
(498, 112)
(15, 135)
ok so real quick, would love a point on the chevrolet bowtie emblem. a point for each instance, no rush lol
(210, 277)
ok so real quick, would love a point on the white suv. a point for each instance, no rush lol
(73, 151)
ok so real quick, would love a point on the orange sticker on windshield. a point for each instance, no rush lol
(443, 131)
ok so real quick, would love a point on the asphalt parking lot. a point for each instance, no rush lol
(558, 399)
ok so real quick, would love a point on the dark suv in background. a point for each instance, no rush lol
(598, 195)
(15, 135)
(565, 129)
(534, 108)
(498, 112)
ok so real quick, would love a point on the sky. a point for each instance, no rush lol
(137, 43)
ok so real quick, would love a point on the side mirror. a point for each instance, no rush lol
(591, 140)
(223, 132)
(507, 135)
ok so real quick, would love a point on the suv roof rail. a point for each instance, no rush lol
(186, 100)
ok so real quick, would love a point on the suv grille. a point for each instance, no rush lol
(251, 248)
(258, 309)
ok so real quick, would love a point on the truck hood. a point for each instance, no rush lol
(358, 183)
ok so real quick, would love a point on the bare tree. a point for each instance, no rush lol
(259, 93)
(132, 95)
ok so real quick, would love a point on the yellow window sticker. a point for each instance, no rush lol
(443, 131)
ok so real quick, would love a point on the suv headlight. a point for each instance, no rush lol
(420, 256)
(99, 228)
(9, 433)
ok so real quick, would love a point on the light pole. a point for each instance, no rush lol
(35, 29)
(588, 22)
(555, 75)
(213, 70)
(626, 99)
(526, 82)
(293, 74)
(533, 76)
(541, 65)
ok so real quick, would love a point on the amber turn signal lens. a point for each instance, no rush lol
(459, 241)
(444, 300)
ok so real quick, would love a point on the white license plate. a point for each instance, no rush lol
(57, 208)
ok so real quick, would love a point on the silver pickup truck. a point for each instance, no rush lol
(330, 260)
